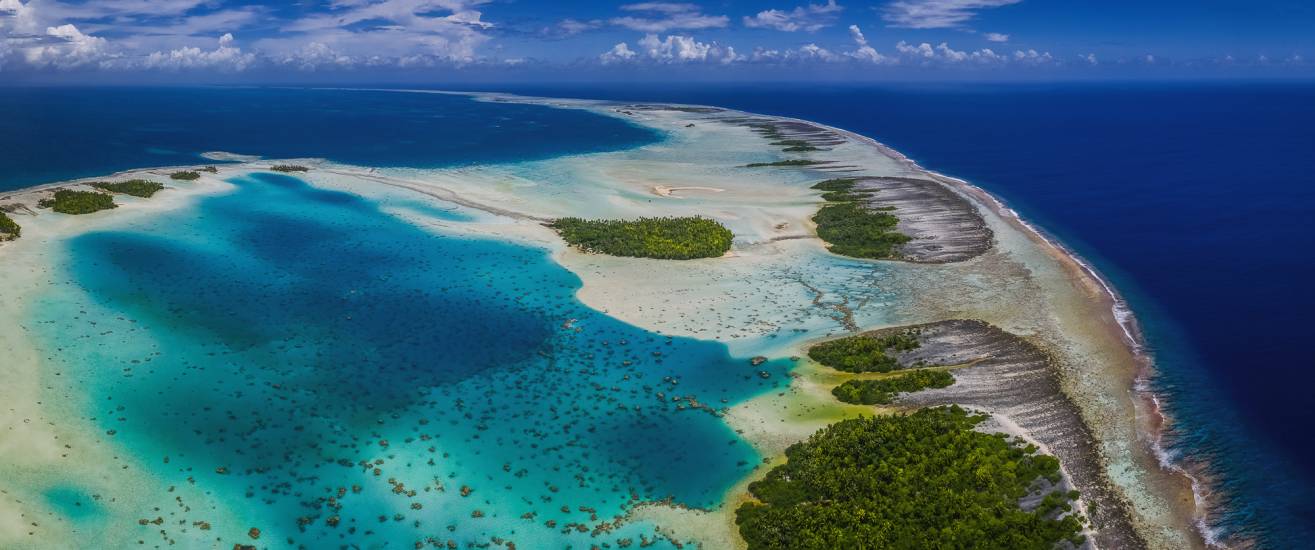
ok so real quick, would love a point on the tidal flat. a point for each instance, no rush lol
(367, 355)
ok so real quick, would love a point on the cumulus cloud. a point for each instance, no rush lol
(657, 17)
(996, 37)
(619, 53)
(684, 49)
(315, 55)
(66, 47)
(864, 52)
(674, 49)
(810, 18)
(226, 58)
(936, 14)
(925, 54)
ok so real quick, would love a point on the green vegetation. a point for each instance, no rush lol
(924, 480)
(850, 227)
(663, 238)
(790, 143)
(880, 392)
(863, 353)
(210, 169)
(78, 202)
(186, 175)
(800, 149)
(136, 188)
(791, 162)
(9, 229)
(853, 230)
(289, 168)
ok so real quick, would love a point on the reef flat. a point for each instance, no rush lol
(578, 399)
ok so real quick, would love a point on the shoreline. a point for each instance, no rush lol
(1080, 271)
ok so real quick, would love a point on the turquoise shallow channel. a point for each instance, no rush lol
(333, 375)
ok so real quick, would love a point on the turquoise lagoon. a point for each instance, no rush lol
(298, 360)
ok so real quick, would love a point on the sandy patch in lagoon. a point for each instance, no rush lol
(44, 439)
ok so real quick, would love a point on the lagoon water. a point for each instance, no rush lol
(302, 355)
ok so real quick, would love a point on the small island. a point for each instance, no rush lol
(923, 480)
(9, 229)
(285, 168)
(881, 391)
(863, 353)
(670, 238)
(785, 163)
(185, 175)
(66, 201)
(852, 228)
(137, 188)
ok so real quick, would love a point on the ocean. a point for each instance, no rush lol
(1197, 200)
(55, 134)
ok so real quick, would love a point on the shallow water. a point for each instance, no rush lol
(267, 351)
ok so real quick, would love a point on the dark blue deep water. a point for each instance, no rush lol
(53, 134)
(1197, 200)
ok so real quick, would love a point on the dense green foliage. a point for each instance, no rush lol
(925, 480)
(800, 149)
(78, 202)
(185, 175)
(863, 353)
(791, 162)
(850, 227)
(880, 392)
(9, 229)
(663, 238)
(289, 168)
(211, 169)
(136, 188)
(853, 230)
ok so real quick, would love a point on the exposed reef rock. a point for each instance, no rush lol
(945, 227)
(1008, 376)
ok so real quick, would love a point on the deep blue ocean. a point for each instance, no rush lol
(1197, 200)
(53, 134)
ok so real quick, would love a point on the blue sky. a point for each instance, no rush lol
(437, 40)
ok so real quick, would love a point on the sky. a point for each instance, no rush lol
(105, 41)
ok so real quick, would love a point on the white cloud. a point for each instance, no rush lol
(1089, 58)
(996, 37)
(925, 54)
(572, 27)
(405, 33)
(864, 52)
(811, 18)
(921, 50)
(315, 55)
(936, 14)
(1032, 57)
(685, 49)
(226, 57)
(664, 16)
(619, 53)
(66, 47)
